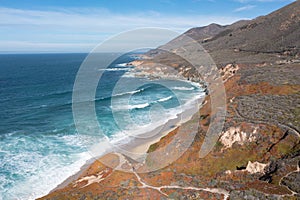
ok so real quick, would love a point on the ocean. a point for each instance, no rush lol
(39, 143)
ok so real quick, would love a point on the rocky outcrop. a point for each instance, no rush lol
(236, 135)
(256, 167)
(228, 71)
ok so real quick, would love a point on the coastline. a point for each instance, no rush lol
(139, 146)
(257, 154)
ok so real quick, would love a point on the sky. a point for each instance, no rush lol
(29, 26)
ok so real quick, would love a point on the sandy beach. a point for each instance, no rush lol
(138, 146)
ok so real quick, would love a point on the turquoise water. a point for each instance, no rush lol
(39, 145)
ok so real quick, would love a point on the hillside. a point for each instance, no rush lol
(276, 32)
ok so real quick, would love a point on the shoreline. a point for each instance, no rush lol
(140, 143)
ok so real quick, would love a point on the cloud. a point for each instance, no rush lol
(244, 8)
(45, 30)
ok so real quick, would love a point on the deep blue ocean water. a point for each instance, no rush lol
(39, 144)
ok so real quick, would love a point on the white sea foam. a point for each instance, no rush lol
(130, 92)
(40, 171)
(122, 65)
(130, 107)
(51, 172)
(165, 99)
(139, 106)
(183, 88)
(123, 94)
(115, 69)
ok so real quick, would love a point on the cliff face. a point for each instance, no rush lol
(257, 155)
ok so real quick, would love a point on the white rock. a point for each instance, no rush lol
(234, 134)
(256, 167)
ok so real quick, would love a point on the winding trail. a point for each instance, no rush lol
(159, 189)
(280, 181)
